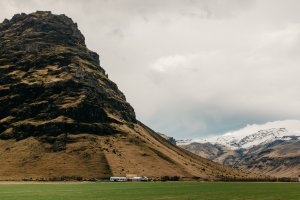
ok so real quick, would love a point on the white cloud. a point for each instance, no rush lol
(192, 68)
(292, 126)
(174, 62)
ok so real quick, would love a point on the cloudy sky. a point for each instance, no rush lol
(192, 68)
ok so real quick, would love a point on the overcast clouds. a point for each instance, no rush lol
(197, 67)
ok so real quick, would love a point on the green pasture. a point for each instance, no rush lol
(152, 190)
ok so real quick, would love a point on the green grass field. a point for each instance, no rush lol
(154, 190)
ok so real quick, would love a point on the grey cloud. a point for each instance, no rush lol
(193, 67)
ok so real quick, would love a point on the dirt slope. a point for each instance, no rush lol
(137, 150)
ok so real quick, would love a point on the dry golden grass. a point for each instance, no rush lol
(134, 151)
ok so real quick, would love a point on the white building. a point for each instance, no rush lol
(139, 178)
(128, 178)
(118, 179)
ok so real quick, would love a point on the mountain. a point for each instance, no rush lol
(52, 84)
(168, 138)
(253, 135)
(280, 158)
(271, 151)
(61, 116)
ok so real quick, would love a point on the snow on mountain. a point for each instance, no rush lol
(253, 135)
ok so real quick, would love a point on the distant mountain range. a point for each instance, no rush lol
(272, 148)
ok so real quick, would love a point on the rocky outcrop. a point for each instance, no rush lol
(168, 138)
(51, 83)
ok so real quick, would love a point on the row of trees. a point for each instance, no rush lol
(265, 179)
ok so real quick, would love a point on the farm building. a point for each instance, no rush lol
(138, 178)
(129, 177)
(118, 179)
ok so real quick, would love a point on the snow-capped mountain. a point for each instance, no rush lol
(271, 148)
(253, 135)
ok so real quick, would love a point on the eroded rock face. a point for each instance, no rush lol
(51, 84)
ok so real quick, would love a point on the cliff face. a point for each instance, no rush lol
(51, 83)
(61, 116)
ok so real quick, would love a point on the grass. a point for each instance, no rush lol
(154, 190)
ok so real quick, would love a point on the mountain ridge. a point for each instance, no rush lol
(253, 135)
(272, 151)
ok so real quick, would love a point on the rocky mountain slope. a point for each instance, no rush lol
(170, 139)
(61, 116)
(280, 158)
(274, 151)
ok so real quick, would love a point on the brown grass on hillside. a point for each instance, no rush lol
(133, 151)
